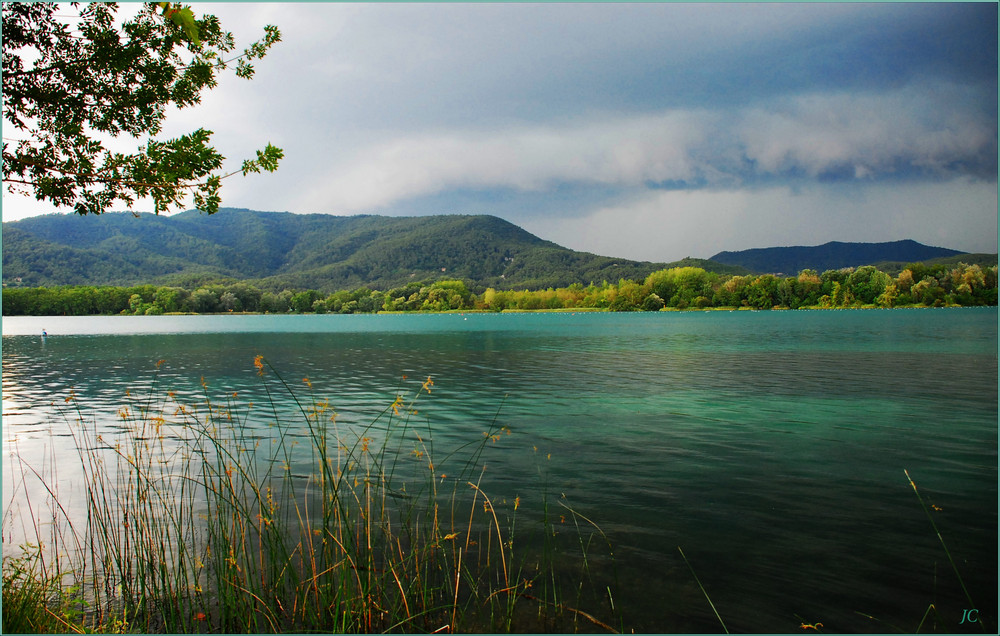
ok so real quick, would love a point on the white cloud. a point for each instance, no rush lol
(871, 134)
(859, 137)
(617, 152)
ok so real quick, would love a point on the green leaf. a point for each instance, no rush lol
(184, 18)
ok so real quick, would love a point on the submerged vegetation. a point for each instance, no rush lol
(675, 288)
(225, 516)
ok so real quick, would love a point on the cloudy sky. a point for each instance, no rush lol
(646, 131)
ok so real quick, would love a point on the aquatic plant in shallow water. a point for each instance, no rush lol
(222, 515)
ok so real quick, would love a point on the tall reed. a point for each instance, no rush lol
(224, 516)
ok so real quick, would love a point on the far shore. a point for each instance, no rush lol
(563, 310)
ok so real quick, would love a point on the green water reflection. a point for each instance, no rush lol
(770, 445)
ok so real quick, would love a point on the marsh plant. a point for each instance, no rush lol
(222, 515)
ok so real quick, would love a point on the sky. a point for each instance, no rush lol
(649, 131)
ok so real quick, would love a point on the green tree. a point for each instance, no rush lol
(762, 293)
(247, 295)
(64, 87)
(808, 288)
(680, 286)
(494, 300)
(987, 294)
(202, 301)
(831, 276)
(275, 303)
(135, 304)
(371, 301)
(702, 301)
(111, 300)
(867, 283)
(229, 302)
(630, 296)
(302, 302)
(920, 271)
(733, 292)
(889, 296)
(598, 297)
(928, 291)
(170, 298)
(652, 303)
(15, 301)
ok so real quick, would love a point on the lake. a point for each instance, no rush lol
(770, 446)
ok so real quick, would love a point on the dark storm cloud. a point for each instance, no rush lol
(578, 118)
(474, 64)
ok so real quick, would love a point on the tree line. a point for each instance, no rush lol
(675, 288)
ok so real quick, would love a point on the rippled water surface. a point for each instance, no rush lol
(769, 445)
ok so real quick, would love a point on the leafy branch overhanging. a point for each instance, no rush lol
(66, 85)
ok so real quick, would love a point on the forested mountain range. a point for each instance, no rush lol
(277, 250)
(833, 255)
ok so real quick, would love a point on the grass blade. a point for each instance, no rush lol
(702, 588)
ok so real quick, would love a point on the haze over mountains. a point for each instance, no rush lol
(329, 253)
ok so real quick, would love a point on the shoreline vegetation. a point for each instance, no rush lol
(215, 515)
(678, 288)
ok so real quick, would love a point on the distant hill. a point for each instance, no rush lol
(833, 255)
(278, 250)
(893, 268)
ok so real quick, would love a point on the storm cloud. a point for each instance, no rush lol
(813, 122)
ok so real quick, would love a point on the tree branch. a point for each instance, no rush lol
(97, 178)
(35, 71)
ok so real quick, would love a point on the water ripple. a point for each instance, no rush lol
(770, 445)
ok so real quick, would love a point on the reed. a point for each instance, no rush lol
(703, 591)
(224, 516)
(965, 591)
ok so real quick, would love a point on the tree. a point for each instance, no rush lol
(733, 292)
(302, 302)
(67, 87)
(170, 298)
(247, 296)
(203, 301)
(928, 291)
(867, 283)
(275, 303)
(652, 303)
(680, 286)
(889, 296)
(319, 306)
(630, 294)
(762, 292)
(807, 287)
(229, 302)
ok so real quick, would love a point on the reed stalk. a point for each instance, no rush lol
(220, 516)
(703, 591)
(951, 560)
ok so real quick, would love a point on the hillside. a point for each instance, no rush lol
(833, 255)
(893, 268)
(281, 250)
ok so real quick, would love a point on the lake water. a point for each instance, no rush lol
(770, 446)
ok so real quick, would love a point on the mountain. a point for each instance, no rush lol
(279, 250)
(893, 268)
(833, 255)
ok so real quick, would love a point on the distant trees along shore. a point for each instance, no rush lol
(675, 288)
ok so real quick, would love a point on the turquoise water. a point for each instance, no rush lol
(769, 445)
